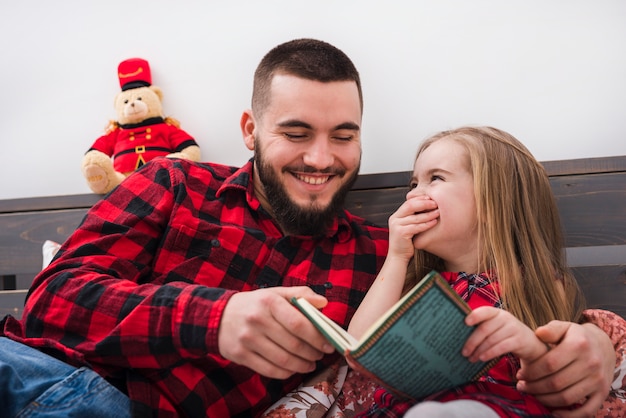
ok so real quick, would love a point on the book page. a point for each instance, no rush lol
(336, 335)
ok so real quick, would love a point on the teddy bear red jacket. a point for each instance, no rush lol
(133, 145)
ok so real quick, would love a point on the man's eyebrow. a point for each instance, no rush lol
(297, 123)
(348, 125)
(294, 123)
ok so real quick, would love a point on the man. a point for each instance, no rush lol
(176, 286)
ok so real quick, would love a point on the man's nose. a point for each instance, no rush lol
(319, 153)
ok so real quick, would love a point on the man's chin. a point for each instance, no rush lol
(311, 206)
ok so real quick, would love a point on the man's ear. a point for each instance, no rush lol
(248, 126)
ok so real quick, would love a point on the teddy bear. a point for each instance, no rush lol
(140, 133)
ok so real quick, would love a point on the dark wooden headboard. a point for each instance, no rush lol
(591, 194)
(24, 226)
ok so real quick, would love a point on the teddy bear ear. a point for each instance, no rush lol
(157, 91)
(115, 98)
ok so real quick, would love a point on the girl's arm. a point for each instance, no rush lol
(385, 291)
(414, 216)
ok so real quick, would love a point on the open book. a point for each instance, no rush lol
(414, 349)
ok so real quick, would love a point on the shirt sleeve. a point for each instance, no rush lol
(100, 296)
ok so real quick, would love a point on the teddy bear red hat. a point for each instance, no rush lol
(134, 73)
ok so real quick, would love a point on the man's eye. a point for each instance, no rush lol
(294, 136)
(344, 138)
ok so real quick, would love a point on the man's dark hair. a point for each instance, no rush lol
(310, 59)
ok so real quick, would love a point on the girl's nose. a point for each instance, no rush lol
(416, 191)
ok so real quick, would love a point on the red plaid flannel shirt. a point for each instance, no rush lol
(137, 292)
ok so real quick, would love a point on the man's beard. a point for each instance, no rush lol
(296, 220)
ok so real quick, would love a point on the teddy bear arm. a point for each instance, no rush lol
(106, 143)
(97, 168)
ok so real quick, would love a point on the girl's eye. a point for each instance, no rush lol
(412, 185)
(436, 177)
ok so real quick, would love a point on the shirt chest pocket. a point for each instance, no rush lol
(215, 256)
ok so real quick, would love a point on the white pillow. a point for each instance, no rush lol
(49, 249)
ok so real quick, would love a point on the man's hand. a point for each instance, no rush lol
(578, 369)
(262, 330)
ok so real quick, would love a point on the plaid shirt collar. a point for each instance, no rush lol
(476, 289)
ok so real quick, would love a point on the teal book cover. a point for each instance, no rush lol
(414, 350)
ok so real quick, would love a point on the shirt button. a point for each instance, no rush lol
(215, 242)
(328, 285)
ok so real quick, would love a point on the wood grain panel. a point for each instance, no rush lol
(592, 208)
(23, 234)
(604, 287)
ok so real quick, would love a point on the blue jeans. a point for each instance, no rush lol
(33, 384)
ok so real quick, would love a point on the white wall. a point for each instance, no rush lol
(551, 72)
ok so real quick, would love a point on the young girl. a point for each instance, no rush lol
(481, 212)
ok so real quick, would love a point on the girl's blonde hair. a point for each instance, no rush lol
(519, 229)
